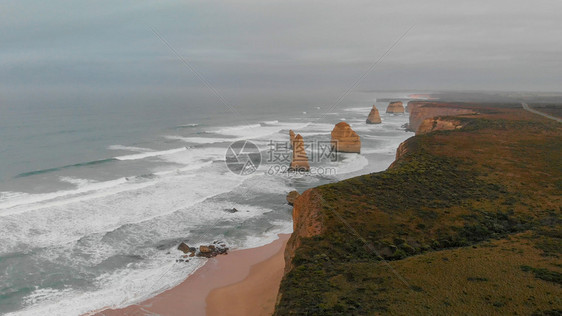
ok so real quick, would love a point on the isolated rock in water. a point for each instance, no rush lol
(374, 117)
(184, 247)
(291, 138)
(395, 107)
(344, 139)
(231, 210)
(300, 159)
(292, 196)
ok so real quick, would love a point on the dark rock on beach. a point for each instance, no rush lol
(184, 247)
(207, 251)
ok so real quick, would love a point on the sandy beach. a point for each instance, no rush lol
(244, 282)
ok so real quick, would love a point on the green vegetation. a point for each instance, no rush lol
(544, 274)
(454, 227)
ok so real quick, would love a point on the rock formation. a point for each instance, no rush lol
(344, 139)
(300, 159)
(374, 117)
(185, 248)
(291, 138)
(292, 196)
(208, 251)
(420, 111)
(438, 124)
(395, 107)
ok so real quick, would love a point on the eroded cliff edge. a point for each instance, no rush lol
(307, 222)
(428, 116)
(471, 204)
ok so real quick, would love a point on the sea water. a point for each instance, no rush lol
(95, 200)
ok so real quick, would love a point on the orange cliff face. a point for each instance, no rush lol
(414, 104)
(421, 111)
(395, 107)
(300, 159)
(307, 222)
(374, 116)
(345, 139)
(438, 124)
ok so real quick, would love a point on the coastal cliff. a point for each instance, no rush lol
(422, 110)
(452, 205)
(438, 124)
(307, 222)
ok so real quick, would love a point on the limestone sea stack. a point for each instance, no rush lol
(291, 137)
(300, 159)
(395, 107)
(374, 117)
(344, 139)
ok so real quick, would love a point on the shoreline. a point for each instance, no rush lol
(225, 285)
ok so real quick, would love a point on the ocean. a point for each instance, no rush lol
(94, 200)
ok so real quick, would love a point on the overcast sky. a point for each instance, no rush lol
(61, 47)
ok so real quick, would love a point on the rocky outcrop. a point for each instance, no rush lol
(374, 117)
(395, 107)
(345, 139)
(292, 196)
(291, 138)
(421, 111)
(300, 159)
(207, 251)
(438, 124)
(307, 222)
(186, 249)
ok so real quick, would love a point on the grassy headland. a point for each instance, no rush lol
(467, 221)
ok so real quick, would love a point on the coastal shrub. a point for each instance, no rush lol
(544, 274)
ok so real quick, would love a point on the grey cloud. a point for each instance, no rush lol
(281, 46)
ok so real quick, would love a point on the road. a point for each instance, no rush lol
(526, 107)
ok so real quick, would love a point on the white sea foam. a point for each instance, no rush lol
(129, 148)
(157, 272)
(116, 289)
(197, 155)
(258, 130)
(201, 140)
(151, 154)
(59, 222)
(76, 181)
(25, 202)
(351, 163)
(104, 219)
(359, 109)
